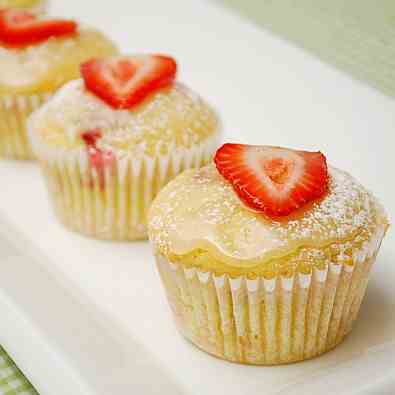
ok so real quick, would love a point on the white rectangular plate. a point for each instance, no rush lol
(82, 317)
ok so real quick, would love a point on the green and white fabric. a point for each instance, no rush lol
(12, 381)
(357, 36)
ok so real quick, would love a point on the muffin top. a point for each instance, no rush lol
(172, 117)
(43, 66)
(198, 219)
(20, 3)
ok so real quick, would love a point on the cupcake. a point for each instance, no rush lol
(35, 6)
(110, 141)
(265, 256)
(37, 56)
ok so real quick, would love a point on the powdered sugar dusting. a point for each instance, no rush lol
(199, 210)
(345, 210)
(173, 118)
(46, 66)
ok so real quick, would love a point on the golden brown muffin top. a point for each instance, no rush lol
(173, 118)
(20, 3)
(44, 67)
(198, 220)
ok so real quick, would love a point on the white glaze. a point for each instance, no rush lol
(200, 210)
(269, 284)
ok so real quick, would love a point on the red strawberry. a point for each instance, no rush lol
(91, 136)
(274, 180)
(123, 82)
(98, 158)
(21, 28)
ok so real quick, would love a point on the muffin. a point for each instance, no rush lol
(265, 256)
(110, 141)
(37, 56)
(35, 6)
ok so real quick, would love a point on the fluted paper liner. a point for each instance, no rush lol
(269, 321)
(115, 206)
(14, 112)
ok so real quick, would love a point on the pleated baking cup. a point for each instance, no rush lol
(112, 205)
(14, 112)
(269, 321)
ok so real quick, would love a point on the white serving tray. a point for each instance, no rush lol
(81, 316)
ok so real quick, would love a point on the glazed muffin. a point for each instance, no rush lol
(37, 56)
(35, 6)
(110, 141)
(265, 257)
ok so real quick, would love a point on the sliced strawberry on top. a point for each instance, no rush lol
(123, 82)
(20, 28)
(274, 180)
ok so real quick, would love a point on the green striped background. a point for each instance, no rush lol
(357, 36)
(12, 381)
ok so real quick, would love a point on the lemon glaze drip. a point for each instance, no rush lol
(302, 260)
(46, 66)
(199, 220)
(169, 119)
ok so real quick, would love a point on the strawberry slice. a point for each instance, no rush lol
(99, 159)
(123, 82)
(20, 28)
(273, 180)
(91, 137)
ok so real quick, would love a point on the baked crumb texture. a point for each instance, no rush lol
(35, 6)
(30, 76)
(173, 130)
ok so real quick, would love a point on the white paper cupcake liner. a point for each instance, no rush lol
(114, 207)
(14, 112)
(269, 321)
